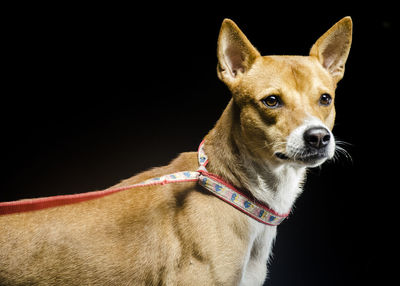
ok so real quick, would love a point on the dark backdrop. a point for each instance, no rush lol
(93, 95)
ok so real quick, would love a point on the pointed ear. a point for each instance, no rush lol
(235, 52)
(333, 47)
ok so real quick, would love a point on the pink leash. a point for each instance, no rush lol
(55, 201)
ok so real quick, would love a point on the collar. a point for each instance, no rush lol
(231, 195)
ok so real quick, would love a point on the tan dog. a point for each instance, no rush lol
(276, 125)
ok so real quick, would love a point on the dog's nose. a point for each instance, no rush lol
(317, 137)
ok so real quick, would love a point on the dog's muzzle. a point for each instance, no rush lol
(309, 144)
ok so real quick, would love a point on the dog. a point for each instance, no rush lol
(277, 124)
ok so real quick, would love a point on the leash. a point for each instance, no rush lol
(209, 181)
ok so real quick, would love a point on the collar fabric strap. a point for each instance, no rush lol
(234, 197)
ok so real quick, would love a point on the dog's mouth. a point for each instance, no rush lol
(304, 157)
(281, 156)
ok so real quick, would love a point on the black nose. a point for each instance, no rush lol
(317, 137)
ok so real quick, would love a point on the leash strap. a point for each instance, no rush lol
(211, 182)
(55, 201)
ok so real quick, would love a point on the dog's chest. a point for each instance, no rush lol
(256, 257)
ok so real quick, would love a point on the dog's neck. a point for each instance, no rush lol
(276, 185)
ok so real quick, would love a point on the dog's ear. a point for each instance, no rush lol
(333, 47)
(235, 53)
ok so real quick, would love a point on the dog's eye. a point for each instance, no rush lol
(325, 99)
(272, 101)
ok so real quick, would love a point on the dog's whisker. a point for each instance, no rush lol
(341, 142)
(342, 152)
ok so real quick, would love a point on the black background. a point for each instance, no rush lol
(93, 95)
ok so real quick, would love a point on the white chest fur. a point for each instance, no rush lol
(279, 188)
(259, 248)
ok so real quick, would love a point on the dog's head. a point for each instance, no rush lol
(285, 104)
